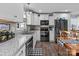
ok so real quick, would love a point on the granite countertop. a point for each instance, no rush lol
(10, 47)
(70, 41)
(70, 44)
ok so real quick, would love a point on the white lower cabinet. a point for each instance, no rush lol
(21, 51)
(51, 20)
(38, 35)
(34, 39)
(52, 36)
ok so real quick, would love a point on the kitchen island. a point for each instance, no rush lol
(73, 49)
(12, 47)
(70, 47)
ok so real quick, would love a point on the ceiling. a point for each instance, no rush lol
(55, 7)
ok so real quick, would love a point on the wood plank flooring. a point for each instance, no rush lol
(49, 48)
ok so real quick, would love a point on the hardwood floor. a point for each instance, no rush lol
(49, 48)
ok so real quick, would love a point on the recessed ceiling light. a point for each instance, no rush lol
(40, 11)
(66, 10)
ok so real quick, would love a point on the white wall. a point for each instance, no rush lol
(9, 10)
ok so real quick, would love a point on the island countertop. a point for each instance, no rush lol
(10, 47)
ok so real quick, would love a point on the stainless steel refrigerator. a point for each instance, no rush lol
(60, 25)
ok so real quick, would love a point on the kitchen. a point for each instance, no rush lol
(39, 29)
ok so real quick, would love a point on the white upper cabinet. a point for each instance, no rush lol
(51, 20)
(36, 21)
(29, 18)
(43, 17)
(32, 18)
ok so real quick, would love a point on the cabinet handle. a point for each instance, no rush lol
(22, 51)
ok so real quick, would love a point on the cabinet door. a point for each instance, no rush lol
(38, 35)
(21, 52)
(46, 17)
(34, 38)
(32, 18)
(52, 36)
(36, 20)
(51, 20)
(29, 18)
(43, 17)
